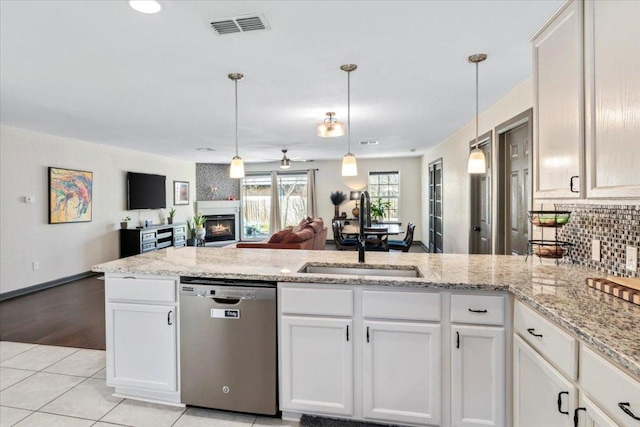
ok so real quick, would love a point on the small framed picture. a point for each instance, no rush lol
(180, 193)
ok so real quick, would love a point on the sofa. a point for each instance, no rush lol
(310, 234)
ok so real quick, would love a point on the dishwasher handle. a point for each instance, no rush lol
(229, 301)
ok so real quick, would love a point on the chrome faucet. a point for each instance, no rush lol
(364, 220)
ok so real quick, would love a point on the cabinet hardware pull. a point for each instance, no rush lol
(625, 408)
(478, 311)
(530, 330)
(367, 334)
(457, 339)
(560, 402)
(571, 184)
(169, 322)
(575, 416)
(129, 277)
(347, 332)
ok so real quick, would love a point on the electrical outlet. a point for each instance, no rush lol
(35, 265)
(595, 250)
(632, 258)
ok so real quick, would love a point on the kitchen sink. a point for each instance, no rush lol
(363, 270)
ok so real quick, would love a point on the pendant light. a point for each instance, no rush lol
(237, 166)
(330, 127)
(477, 162)
(349, 165)
(285, 163)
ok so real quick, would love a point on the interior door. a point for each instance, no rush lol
(480, 204)
(435, 207)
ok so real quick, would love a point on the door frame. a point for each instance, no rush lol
(484, 139)
(431, 237)
(503, 175)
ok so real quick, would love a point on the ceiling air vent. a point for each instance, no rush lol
(239, 24)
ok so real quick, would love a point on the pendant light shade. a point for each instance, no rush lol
(237, 165)
(349, 165)
(330, 127)
(477, 161)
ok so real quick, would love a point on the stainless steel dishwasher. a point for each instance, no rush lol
(228, 345)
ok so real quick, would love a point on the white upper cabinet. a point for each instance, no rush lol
(612, 67)
(558, 104)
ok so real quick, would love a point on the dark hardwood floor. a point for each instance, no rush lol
(69, 315)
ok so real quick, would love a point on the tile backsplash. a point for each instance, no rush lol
(616, 226)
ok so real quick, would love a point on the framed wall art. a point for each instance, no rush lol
(70, 195)
(180, 193)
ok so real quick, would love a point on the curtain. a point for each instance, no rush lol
(312, 202)
(275, 223)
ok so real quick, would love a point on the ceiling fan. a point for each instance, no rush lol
(285, 162)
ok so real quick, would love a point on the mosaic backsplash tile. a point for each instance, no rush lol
(616, 226)
(213, 182)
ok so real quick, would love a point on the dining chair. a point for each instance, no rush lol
(405, 244)
(377, 239)
(342, 243)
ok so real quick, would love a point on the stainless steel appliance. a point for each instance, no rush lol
(228, 345)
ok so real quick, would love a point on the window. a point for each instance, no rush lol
(257, 199)
(386, 186)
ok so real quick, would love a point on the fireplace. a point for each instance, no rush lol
(220, 228)
(222, 224)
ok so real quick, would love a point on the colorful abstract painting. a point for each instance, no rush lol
(70, 193)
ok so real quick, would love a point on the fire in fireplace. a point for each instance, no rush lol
(220, 228)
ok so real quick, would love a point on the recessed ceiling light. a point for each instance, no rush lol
(145, 6)
(206, 149)
(369, 142)
(413, 150)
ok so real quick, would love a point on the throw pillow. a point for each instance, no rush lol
(279, 236)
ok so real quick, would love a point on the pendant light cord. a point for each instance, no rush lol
(236, 85)
(349, 111)
(477, 145)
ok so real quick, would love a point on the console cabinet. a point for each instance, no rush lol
(134, 241)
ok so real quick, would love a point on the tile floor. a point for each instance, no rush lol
(52, 386)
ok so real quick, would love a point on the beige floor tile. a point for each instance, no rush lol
(37, 390)
(10, 376)
(10, 416)
(197, 417)
(38, 358)
(143, 414)
(101, 374)
(39, 419)
(9, 349)
(91, 399)
(275, 422)
(83, 363)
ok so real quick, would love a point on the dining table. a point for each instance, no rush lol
(383, 229)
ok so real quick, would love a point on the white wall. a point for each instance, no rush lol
(329, 179)
(66, 249)
(454, 152)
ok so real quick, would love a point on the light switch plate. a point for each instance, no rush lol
(595, 250)
(632, 258)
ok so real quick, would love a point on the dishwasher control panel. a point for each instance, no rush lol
(227, 292)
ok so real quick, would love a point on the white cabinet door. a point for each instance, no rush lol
(612, 98)
(542, 396)
(401, 372)
(141, 346)
(316, 365)
(477, 376)
(589, 415)
(558, 105)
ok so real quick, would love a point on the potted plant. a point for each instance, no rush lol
(251, 229)
(124, 222)
(379, 209)
(337, 198)
(199, 221)
(172, 213)
(191, 241)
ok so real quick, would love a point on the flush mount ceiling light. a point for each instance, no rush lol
(145, 6)
(330, 127)
(237, 166)
(477, 162)
(349, 165)
(285, 163)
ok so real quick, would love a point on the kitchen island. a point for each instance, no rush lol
(558, 292)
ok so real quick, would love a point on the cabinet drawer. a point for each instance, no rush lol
(147, 236)
(608, 386)
(324, 302)
(133, 289)
(477, 309)
(557, 346)
(401, 305)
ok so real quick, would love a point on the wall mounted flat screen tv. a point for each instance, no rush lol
(146, 191)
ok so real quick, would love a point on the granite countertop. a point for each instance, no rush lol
(558, 291)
